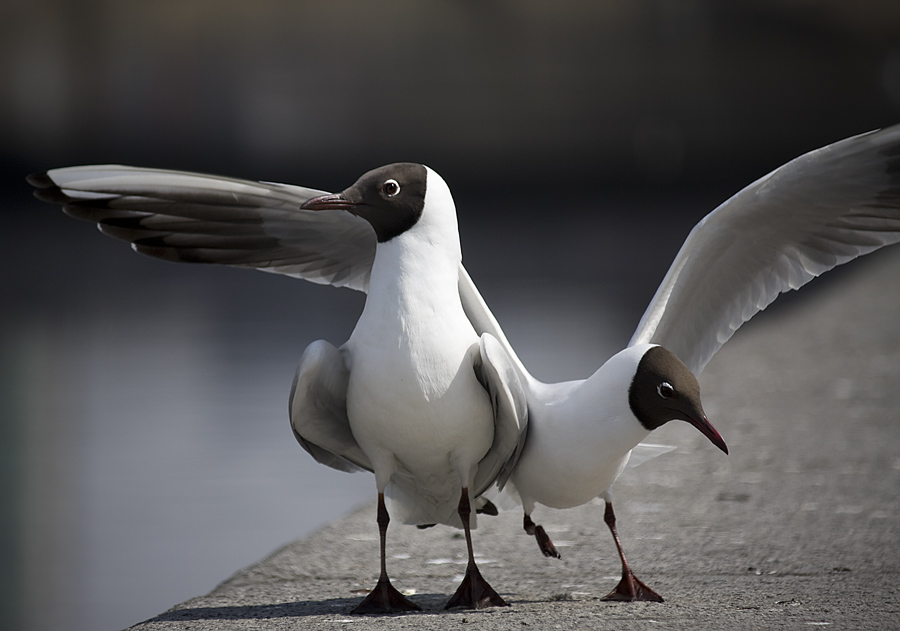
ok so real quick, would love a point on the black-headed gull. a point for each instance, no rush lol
(818, 211)
(416, 396)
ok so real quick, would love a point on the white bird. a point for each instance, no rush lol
(416, 396)
(818, 211)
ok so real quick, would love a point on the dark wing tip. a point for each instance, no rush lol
(151, 243)
(40, 180)
(46, 189)
(488, 508)
(52, 195)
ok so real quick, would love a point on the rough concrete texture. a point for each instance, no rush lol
(798, 528)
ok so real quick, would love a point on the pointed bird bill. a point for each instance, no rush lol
(702, 423)
(335, 201)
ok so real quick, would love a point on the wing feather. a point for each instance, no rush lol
(818, 211)
(318, 409)
(195, 218)
(497, 374)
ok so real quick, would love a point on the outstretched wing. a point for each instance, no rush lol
(195, 218)
(818, 211)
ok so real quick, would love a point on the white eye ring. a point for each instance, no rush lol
(665, 390)
(390, 188)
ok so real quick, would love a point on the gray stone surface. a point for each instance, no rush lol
(798, 528)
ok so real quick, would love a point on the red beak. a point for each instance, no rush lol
(709, 431)
(335, 201)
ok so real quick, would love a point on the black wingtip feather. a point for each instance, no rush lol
(52, 195)
(488, 509)
(130, 223)
(40, 180)
(151, 243)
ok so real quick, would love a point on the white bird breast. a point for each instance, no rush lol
(579, 444)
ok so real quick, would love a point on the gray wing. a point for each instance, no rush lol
(196, 218)
(318, 409)
(483, 320)
(498, 375)
(818, 211)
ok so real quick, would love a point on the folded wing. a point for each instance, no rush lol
(318, 409)
(496, 372)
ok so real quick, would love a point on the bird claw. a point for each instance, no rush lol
(631, 589)
(475, 593)
(544, 542)
(385, 599)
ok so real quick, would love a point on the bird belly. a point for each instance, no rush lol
(562, 482)
(563, 469)
(427, 429)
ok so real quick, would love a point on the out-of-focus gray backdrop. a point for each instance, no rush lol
(144, 447)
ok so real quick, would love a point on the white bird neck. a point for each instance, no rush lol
(409, 267)
(417, 272)
(605, 394)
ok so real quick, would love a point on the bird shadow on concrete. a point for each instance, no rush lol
(430, 604)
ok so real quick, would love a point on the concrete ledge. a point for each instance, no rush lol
(798, 528)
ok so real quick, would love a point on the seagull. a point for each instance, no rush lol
(818, 211)
(435, 410)
(814, 213)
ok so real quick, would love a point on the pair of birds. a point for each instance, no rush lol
(427, 393)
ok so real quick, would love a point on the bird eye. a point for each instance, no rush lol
(390, 188)
(665, 390)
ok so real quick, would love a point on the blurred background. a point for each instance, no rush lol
(145, 452)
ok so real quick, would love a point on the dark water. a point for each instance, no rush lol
(146, 452)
